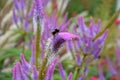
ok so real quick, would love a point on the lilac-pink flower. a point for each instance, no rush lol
(34, 73)
(18, 72)
(70, 76)
(50, 70)
(26, 66)
(62, 37)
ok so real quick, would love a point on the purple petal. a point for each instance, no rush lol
(14, 73)
(33, 57)
(22, 4)
(81, 24)
(16, 6)
(38, 10)
(51, 68)
(53, 21)
(78, 59)
(68, 36)
(98, 26)
(82, 27)
(64, 27)
(61, 71)
(26, 23)
(34, 73)
(15, 19)
(65, 18)
(25, 64)
(87, 43)
(92, 28)
(101, 76)
(70, 45)
(98, 44)
(112, 70)
(70, 76)
(18, 73)
(31, 12)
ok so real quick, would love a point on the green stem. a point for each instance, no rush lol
(38, 45)
(108, 25)
(42, 71)
(80, 67)
(43, 67)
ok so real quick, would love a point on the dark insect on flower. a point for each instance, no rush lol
(55, 31)
(59, 38)
(99, 57)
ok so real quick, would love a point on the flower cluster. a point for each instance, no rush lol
(87, 34)
(88, 47)
(49, 38)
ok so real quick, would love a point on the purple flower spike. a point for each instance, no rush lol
(117, 53)
(87, 35)
(78, 59)
(51, 68)
(39, 6)
(61, 71)
(38, 11)
(25, 64)
(112, 70)
(101, 76)
(34, 73)
(70, 76)
(62, 37)
(33, 57)
(18, 72)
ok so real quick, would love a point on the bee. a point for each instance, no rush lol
(55, 31)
